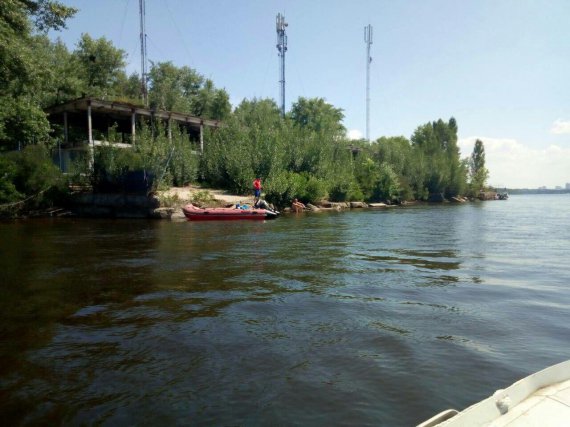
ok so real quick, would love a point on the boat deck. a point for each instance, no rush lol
(541, 399)
(548, 406)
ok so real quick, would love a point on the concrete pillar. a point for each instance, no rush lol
(201, 138)
(90, 136)
(65, 128)
(169, 130)
(133, 127)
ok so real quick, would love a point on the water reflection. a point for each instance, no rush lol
(354, 318)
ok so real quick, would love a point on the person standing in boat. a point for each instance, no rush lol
(256, 190)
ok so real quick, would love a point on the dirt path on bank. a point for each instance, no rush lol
(186, 194)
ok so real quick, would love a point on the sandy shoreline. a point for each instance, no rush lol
(186, 194)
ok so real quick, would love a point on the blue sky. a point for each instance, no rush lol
(501, 68)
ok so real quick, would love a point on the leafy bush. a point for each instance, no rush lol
(340, 191)
(113, 168)
(183, 164)
(344, 187)
(156, 160)
(283, 187)
(388, 185)
(202, 198)
(30, 175)
(315, 189)
(8, 191)
(168, 201)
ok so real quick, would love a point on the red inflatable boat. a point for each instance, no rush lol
(195, 213)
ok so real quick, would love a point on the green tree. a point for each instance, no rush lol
(317, 115)
(64, 80)
(129, 89)
(294, 160)
(388, 185)
(172, 88)
(436, 165)
(8, 172)
(186, 91)
(101, 66)
(16, 58)
(477, 170)
(429, 161)
(396, 151)
(35, 175)
(21, 71)
(258, 112)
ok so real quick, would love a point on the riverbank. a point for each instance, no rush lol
(168, 204)
(173, 199)
(193, 192)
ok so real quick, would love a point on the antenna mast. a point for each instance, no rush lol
(142, 13)
(282, 48)
(368, 40)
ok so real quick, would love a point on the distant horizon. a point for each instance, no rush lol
(561, 190)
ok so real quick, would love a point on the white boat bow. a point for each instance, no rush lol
(541, 399)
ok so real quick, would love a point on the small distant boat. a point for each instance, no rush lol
(503, 196)
(541, 399)
(194, 213)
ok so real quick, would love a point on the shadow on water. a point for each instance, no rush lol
(70, 286)
(50, 270)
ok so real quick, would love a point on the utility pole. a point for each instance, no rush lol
(142, 13)
(282, 48)
(368, 41)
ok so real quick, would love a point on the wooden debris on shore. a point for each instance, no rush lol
(459, 199)
(357, 205)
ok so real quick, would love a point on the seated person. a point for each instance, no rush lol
(297, 206)
(262, 204)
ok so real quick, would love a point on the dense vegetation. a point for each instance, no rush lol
(305, 154)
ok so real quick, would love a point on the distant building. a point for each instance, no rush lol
(568, 186)
(558, 187)
(542, 188)
(86, 122)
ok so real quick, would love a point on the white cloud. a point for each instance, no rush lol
(560, 126)
(516, 165)
(354, 134)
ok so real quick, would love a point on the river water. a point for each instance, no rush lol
(372, 317)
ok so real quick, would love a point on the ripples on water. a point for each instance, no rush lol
(362, 318)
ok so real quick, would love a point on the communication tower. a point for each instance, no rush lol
(368, 40)
(281, 48)
(142, 13)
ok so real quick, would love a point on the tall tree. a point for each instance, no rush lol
(396, 151)
(436, 161)
(129, 89)
(258, 112)
(101, 66)
(185, 90)
(21, 117)
(211, 102)
(317, 115)
(478, 171)
(172, 88)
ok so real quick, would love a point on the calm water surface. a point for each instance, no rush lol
(376, 317)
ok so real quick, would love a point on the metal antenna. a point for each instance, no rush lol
(282, 48)
(142, 13)
(368, 40)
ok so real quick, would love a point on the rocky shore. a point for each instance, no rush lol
(177, 197)
(168, 204)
